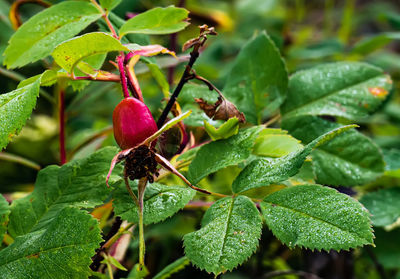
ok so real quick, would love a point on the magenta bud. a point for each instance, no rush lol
(132, 122)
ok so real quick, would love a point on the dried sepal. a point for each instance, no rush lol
(221, 110)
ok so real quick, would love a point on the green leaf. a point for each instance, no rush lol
(317, 217)
(275, 143)
(263, 172)
(159, 76)
(223, 153)
(160, 202)
(37, 37)
(15, 108)
(349, 159)
(114, 262)
(387, 248)
(156, 21)
(226, 130)
(109, 4)
(69, 53)
(62, 249)
(229, 234)
(258, 81)
(372, 43)
(138, 272)
(172, 268)
(47, 78)
(4, 212)
(167, 126)
(384, 205)
(79, 183)
(348, 89)
(391, 158)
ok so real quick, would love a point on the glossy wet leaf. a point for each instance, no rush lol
(275, 143)
(258, 81)
(223, 153)
(69, 53)
(384, 205)
(349, 159)
(80, 183)
(160, 202)
(317, 217)
(392, 162)
(347, 89)
(264, 171)
(47, 78)
(226, 130)
(62, 249)
(172, 268)
(229, 235)
(15, 108)
(157, 21)
(37, 37)
(4, 212)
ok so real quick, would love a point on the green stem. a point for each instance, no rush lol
(116, 236)
(128, 187)
(20, 160)
(110, 272)
(142, 248)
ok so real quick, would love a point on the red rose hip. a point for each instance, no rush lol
(132, 122)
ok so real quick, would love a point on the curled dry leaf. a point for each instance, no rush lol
(221, 110)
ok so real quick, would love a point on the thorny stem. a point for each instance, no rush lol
(141, 189)
(193, 57)
(194, 54)
(61, 115)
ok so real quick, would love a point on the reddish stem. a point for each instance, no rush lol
(61, 111)
(120, 60)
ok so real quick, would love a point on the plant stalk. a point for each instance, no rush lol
(61, 115)
(142, 248)
(193, 57)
